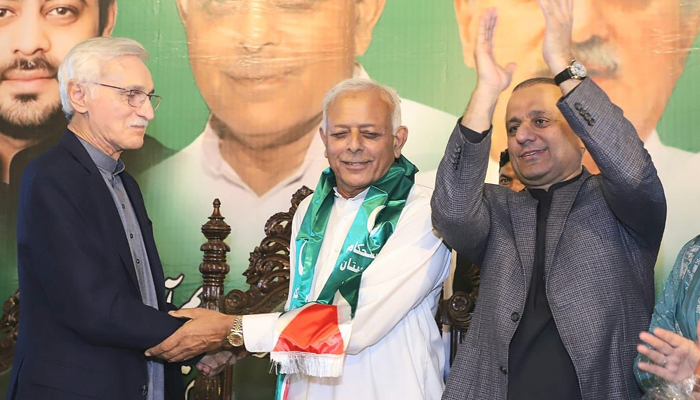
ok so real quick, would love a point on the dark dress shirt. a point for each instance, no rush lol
(538, 363)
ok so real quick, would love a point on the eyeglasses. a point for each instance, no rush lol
(136, 97)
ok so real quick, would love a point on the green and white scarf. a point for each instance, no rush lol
(311, 338)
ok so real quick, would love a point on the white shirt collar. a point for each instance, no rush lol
(214, 164)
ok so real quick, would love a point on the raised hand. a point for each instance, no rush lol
(559, 22)
(206, 331)
(675, 357)
(491, 75)
(492, 78)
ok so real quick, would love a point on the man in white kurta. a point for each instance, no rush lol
(395, 350)
(363, 242)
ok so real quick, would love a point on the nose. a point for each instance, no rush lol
(258, 27)
(589, 21)
(524, 134)
(146, 110)
(30, 37)
(354, 141)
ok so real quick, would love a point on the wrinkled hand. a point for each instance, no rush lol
(675, 357)
(491, 75)
(559, 22)
(206, 331)
(213, 364)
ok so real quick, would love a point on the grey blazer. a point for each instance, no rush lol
(603, 236)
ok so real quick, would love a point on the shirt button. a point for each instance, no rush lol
(131, 235)
(144, 389)
(515, 317)
(504, 370)
(123, 206)
(138, 261)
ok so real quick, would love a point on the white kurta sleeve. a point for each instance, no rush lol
(259, 332)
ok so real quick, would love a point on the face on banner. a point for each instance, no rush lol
(263, 66)
(35, 36)
(635, 50)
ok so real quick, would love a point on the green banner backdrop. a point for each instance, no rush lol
(242, 82)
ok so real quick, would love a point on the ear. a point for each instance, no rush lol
(111, 19)
(368, 13)
(324, 139)
(182, 10)
(77, 94)
(468, 23)
(400, 140)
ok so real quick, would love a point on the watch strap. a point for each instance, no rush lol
(236, 331)
(563, 76)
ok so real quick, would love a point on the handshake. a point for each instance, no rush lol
(205, 332)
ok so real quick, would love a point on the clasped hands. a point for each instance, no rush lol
(205, 332)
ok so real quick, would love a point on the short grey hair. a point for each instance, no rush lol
(388, 95)
(85, 61)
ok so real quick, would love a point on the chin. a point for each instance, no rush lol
(135, 145)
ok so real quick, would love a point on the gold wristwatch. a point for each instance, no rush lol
(235, 336)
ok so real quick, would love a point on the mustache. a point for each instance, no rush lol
(597, 55)
(25, 64)
(141, 122)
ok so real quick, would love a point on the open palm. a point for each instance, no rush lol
(490, 73)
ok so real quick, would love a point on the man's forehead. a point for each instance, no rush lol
(367, 98)
(129, 71)
(534, 99)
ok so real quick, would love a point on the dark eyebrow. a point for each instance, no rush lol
(531, 115)
(49, 1)
(513, 120)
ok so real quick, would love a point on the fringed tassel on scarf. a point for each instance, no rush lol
(320, 365)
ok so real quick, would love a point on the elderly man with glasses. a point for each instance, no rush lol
(93, 297)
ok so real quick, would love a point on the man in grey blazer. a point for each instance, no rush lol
(567, 278)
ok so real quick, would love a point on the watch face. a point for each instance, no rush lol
(235, 339)
(578, 69)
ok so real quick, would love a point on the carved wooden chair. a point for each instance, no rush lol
(9, 325)
(268, 277)
(456, 311)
